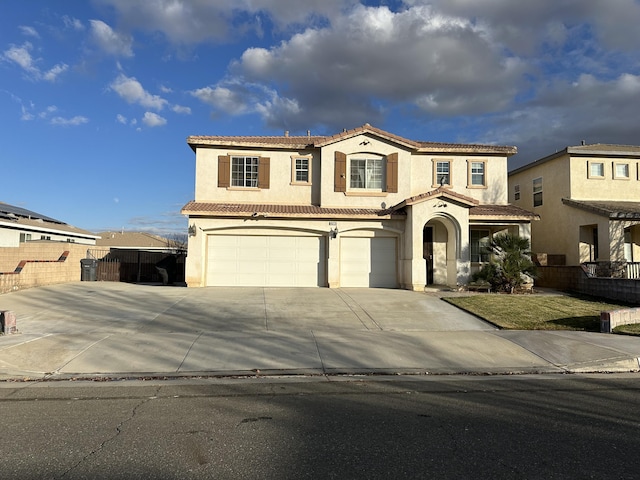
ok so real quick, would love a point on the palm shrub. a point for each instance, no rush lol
(510, 265)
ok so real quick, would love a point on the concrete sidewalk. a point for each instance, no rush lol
(116, 330)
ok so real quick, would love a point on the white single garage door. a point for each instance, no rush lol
(368, 262)
(266, 261)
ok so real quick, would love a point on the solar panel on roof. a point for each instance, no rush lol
(7, 209)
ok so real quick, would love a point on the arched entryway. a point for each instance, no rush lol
(440, 239)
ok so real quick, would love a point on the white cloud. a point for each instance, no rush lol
(132, 91)
(121, 119)
(29, 31)
(110, 41)
(151, 119)
(21, 56)
(195, 21)
(66, 122)
(181, 109)
(72, 23)
(55, 72)
(229, 100)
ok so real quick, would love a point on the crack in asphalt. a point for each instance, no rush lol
(119, 429)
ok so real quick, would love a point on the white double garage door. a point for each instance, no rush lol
(299, 261)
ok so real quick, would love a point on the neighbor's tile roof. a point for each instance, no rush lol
(611, 209)
(130, 239)
(593, 150)
(310, 211)
(511, 211)
(309, 141)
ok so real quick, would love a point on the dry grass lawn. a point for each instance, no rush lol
(536, 312)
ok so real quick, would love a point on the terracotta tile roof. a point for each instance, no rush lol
(310, 211)
(612, 209)
(131, 239)
(501, 211)
(595, 149)
(439, 193)
(309, 141)
(605, 149)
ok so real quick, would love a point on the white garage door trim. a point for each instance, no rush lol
(368, 262)
(266, 261)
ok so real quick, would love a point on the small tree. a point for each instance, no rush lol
(510, 263)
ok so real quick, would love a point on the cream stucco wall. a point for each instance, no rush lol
(281, 188)
(586, 187)
(551, 234)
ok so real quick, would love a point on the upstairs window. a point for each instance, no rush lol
(366, 173)
(596, 170)
(301, 170)
(537, 192)
(516, 192)
(244, 172)
(477, 174)
(443, 173)
(239, 171)
(621, 171)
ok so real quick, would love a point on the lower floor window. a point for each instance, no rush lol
(480, 240)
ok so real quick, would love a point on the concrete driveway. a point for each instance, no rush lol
(119, 330)
(86, 307)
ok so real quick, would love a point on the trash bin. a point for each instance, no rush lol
(89, 269)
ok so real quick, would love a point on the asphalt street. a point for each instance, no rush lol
(453, 427)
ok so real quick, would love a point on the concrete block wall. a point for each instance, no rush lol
(613, 318)
(40, 263)
(574, 279)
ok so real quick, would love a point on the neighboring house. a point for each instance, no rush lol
(363, 208)
(588, 199)
(18, 225)
(135, 241)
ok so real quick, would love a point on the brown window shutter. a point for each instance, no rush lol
(224, 171)
(263, 172)
(340, 173)
(392, 173)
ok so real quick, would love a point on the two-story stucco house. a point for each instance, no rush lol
(363, 208)
(588, 199)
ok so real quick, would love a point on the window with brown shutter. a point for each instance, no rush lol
(263, 172)
(224, 170)
(340, 172)
(392, 173)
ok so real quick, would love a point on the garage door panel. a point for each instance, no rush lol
(368, 262)
(235, 260)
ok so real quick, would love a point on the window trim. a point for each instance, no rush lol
(434, 172)
(615, 171)
(470, 174)
(294, 169)
(590, 174)
(536, 192)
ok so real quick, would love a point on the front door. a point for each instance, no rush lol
(427, 252)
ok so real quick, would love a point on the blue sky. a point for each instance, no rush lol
(97, 97)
